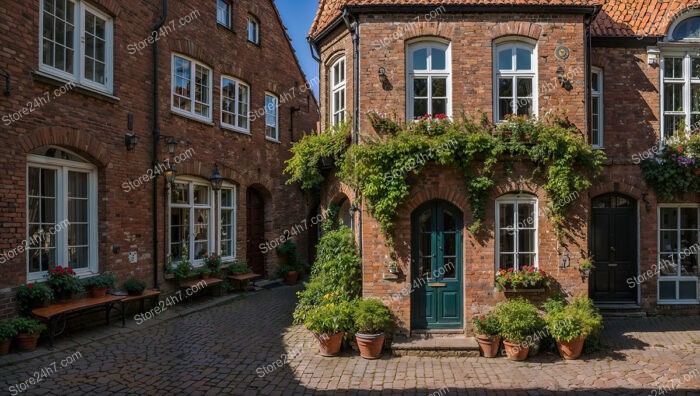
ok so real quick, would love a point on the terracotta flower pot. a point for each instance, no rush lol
(370, 345)
(27, 342)
(515, 351)
(5, 346)
(292, 277)
(488, 345)
(98, 292)
(571, 350)
(329, 345)
(204, 276)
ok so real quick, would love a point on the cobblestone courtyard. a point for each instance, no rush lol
(233, 349)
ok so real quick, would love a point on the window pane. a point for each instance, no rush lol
(505, 60)
(420, 107)
(77, 234)
(526, 259)
(243, 104)
(695, 97)
(439, 106)
(450, 244)
(687, 290)
(78, 257)
(689, 218)
(420, 59)
(77, 184)
(673, 97)
(667, 290)
(505, 87)
(687, 29)
(180, 194)
(179, 231)
(505, 107)
(526, 215)
(695, 68)
(669, 218)
(673, 67)
(524, 59)
(506, 261)
(673, 123)
(201, 195)
(506, 241)
(450, 268)
(669, 241)
(438, 59)
(226, 197)
(95, 47)
(668, 265)
(420, 87)
(77, 210)
(222, 12)
(439, 88)
(524, 87)
(595, 77)
(524, 106)
(689, 263)
(526, 240)
(506, 215)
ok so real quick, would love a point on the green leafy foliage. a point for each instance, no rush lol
(239, 267)
(183, 270)
(104, 280)
(518, 319)
(305, 165)
(570, 321)
(7, 331)
(32, 295)
(330, 318)
(23, 325)
(487, 325)
(134, 286)
(372, 316)
(672, 170)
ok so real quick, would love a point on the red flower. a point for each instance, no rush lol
(511, 269)
(441, 116)
(542, 272)
(529, 270)
(30, 285)
(680, 149)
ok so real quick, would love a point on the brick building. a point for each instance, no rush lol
(620, 57)
(216, 88)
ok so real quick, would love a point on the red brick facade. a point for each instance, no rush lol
(631, 125)
(93, 125)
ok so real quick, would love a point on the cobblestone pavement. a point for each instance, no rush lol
(248, 346)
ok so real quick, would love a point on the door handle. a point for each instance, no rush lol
(612, 265)
(437, 284)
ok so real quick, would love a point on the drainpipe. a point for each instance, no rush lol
(354, 28)
(156, 139)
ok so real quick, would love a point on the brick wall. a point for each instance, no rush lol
(94, 126)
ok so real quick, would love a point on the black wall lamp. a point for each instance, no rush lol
(563, 81)
(131, 140)
(171, 142)
(170, 175)
(216, 179)
(384, 79)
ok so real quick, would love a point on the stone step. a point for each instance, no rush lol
(436, 346)
(621, 310)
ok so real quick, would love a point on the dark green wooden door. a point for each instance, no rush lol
(436, 301)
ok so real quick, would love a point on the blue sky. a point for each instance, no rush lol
(298, 15)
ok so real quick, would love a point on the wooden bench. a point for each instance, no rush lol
(197, 283)
(56, 312)
(242, 279)
(153, 295)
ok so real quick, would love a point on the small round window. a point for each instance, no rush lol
(688, 29)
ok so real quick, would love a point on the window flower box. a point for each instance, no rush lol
(527, 280)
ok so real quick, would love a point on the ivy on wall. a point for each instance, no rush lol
(674, 169)
(379, 168)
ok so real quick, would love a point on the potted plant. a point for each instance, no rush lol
(528, 278)
(586, 267)
(64, 282)
(183, 270)
(134, 287)
(28, 332)
(372, 318)
(329, 323)
(571, 324)
(7, 332)
(213, 263)
(517, 319)
(33, 295)
(488, 336)
(290, 274)
(204, 272)
(98, 285)
(239, 268)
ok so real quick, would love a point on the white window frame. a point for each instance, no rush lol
(338, 88)
(412, 74)
(191, 182)
(514, 74)
(78, 74)
(234, 218)
(598, 93)
(62, 168)
(515, 200)
(676, 278)
(229, 7)
(254, 29)
(277, 117)
(687, 82)
(193, 76)
(237, 112)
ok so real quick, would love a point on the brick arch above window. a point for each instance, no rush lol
(430, 31)
(234, 69)
(69, 138)
(204, 170)
(513, 28)
(111, 6)
(191, 49)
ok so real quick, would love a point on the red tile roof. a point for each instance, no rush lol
(617, 18)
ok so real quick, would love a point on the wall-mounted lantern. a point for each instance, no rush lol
(216, 179)
(131, 140)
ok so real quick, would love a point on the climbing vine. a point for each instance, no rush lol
(381, 169)
(675, 168)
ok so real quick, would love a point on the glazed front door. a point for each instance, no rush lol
(436, 299)
(614, 249)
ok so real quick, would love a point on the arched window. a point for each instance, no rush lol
(338, 84)
(191, 222)
(687, 29)
(516, 239)
(61, 212)
(515, 79)
(429, 79)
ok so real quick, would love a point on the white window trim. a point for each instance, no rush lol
(191, 182)
(515, 200)
(62, 167)
(256, 29)
(193, 75)
(237, 111)
(601, 108)
(674, 25)
(675, 278)
(229, 15)
(687, 81)
(338, 87)
(429, 74)
(497, 74)
(234, 209)
(78, 75)
(277, 118)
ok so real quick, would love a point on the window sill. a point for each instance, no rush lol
(192, 117)
(254, 43)
(83, 89)
(523, 291)
(234, 129)
(226, 28)
(678, 302)
(272, 140)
